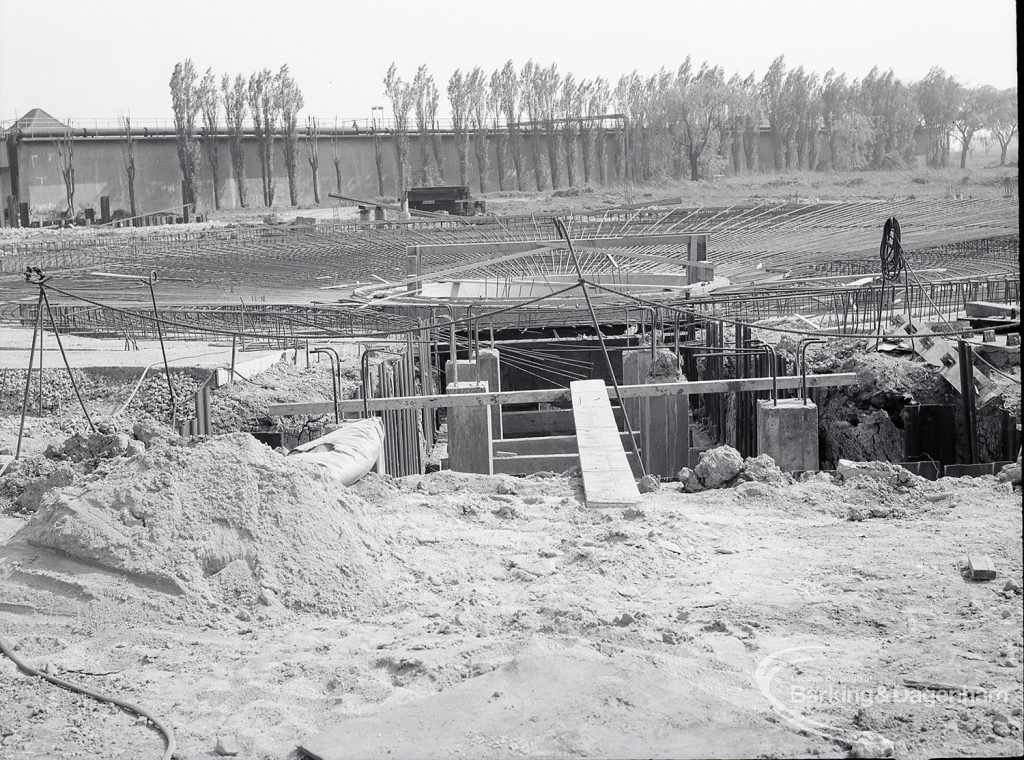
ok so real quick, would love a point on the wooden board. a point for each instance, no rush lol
(559, 394)
(607, 476)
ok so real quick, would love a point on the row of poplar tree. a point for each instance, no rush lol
(547, 125)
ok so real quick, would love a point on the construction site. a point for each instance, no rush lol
(645, 480)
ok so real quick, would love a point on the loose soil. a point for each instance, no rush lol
(658, 618)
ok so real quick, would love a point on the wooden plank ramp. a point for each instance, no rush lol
(607, 477)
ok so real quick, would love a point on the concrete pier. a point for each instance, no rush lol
(470, 447)
(665, 436)
(788, 433)
(469, 371)
(488, 363)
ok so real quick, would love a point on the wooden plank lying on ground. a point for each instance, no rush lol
(561, 394)
(607, 477)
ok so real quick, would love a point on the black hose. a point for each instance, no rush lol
(891, 250)
(169, 744)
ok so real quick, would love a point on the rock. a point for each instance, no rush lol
(669, 637)
(870, 744)
(109, 446)
(227, 746)
(151, 432)
(688, 481)
(718, 466)
(762, 469)
(649, 484)
(886, 472)
(267, 597)
(880, 511)
(1010, 474)
(624, 619)
(753, 489)
(857, 514)
(1001, 729)
(74, 449)
(507, 489)
(1011, 585)
(105, 427)
(135, 448)
(29, 499)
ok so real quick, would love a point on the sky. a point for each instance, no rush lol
(100, 59)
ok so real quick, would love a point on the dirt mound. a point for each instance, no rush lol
(224, 520)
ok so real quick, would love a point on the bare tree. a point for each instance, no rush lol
(702, 102)
(494, 118)
(530, 105)
(265, 106)
(65, 147)
(597, 105)
(378, 154)
(506, 86)
(773, 105)
(336, 158)
(402, 95)
(546, 85)
(235, 97)
(128, 158)
(459, 97)
(312, 149)
(478, 111)
(573, 97)
(289, 103)
(209, 107)
(427, 99)
(185, 104)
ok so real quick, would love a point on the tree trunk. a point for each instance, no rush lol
(517, 158)
(499, 154)
(337, 175)
(463, 150)
(316, 186)
(694, 158)
(425, 158)
(552, 140)
(538, 170)
(238, 166)
(963, 154)
(602, 169)
(588, 139)
(1002, 152)
(435, 141)
(131, 194)
(378, 156)
(480, 144)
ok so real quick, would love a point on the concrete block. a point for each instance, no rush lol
(469, 372)
(469, 433)
(665, 436)
(788, 433)
(488, 362)
(635, 366)
(982, 567)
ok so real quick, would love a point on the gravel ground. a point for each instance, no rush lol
(647, 632)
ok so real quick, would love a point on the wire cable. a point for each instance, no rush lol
(168, 734)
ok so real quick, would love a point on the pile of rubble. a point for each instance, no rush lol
(224, 520)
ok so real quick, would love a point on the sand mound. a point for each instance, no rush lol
(225, 520)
